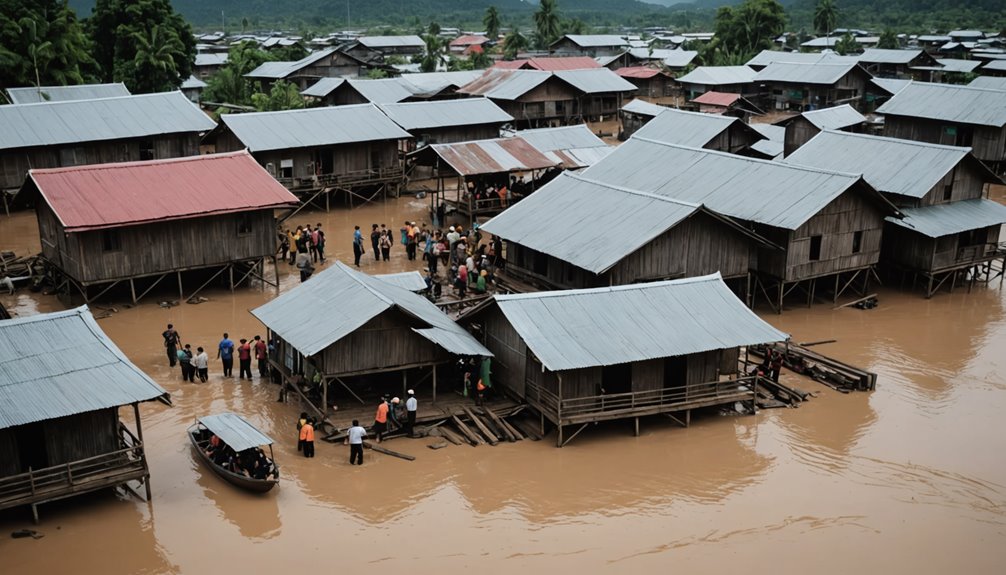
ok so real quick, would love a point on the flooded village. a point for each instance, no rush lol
(613, 311)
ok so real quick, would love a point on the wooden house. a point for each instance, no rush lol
(79, 132)
(800, 87)
(60, 432)
(670, 61)
(407, 88)
(328, 63)
(593, 45)
(549, 64)
(351, 149)
(949, 226)
(802, 127)
(698, 130)
(553, 238)
(678, 350)
(895, 63)
(951, 115)
(766, 57)
(600, 93)
(378, 48)
(33, 95)
(207, 64)
(649, 82)
(636, 114)
(211, 212)
(728, 79)
(448, 121)
(828, 224)
(346, 326)
(994, 68)
(726, 104)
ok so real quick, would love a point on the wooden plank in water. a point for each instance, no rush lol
(493, 440)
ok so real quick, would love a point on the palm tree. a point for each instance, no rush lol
(888, 40)
(514, 44)
(547, 22)
(825, 17)
(157, 54)
(847, 45)
(434, 56)
(492, 23)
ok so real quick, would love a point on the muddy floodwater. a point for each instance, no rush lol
(910, 478)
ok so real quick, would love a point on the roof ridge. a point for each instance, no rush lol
(225, 117)
(608, 289)
(651, 195)
(352, 275)
(897, 141)
(60, 102)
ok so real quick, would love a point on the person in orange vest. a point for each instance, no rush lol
(480, 389)
(307, 437)
(381, 419)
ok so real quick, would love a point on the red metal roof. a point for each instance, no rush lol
(550, 64)
(469, 40)
(638, 72)
(510, 64)
(115, 195)
(717, 99)
(492, 156)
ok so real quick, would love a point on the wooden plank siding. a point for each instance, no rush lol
(799, 131)
(384, 343)
(80, 436)
(987, 143)
(907, 249)
(734, 139)
(10, 459)
(509, 352)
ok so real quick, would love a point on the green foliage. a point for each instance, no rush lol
(743, 31)
(888, 40)
(42, 43)
(288, 53)
(909, 16)
(282, 96)
(825, 17)
(480, 61)
(229, 84)
(436, 49)
(492, 23)
(574, 26)
(547, 23)
(120, 28)
(847, 45)
(376, 74)
(514, 44)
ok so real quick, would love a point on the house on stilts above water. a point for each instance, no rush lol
(950, 231)
(61, 386)
(343, 329)
(138, 223)
(582, 356)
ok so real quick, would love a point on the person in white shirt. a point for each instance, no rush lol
(355, 440)
(201, 363)
(411, 405)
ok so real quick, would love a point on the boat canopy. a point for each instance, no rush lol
(235, 431)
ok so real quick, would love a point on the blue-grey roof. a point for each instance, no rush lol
(412, 281)
(376, 42)
(890, 165)
(505, 84)
(989, 82)
(211, 59)
(595, 40)
(573, 329)
(952, 218)
(595, 80)
(950, 103)
(766, 57)
(427, 84)
(33, 95)
(235, 431)
(958, 66)
(337, 301)
(561, 138)
(58, 364)
(382, 91)
(323, 87)
(995, 65)
(762, 191)
(446, 113)
(324, 126)
(889, 56)
(693, 129)
(73, 122)
(770, 131)
(891, 85)
(821, 73)
(193, 83)
(718, 75)
(280, 70)
(835, 118)
(771, 149)
(643, 108)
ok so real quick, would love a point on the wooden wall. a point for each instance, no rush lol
(340, 159)
(799, 131)
(383, 343)
(509, 351)
(160, 247)
(966, 183)
(81, 436)
(10, 461)
(734, 139)
(909, 249)
(987, 143)
(452, 134)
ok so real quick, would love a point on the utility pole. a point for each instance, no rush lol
(223, 23)
(348, 25)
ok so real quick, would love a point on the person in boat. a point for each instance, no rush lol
(261, 467)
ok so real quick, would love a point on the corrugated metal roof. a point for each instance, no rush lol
(111, 195)
(193, 83)
(950, 103)
(58, 364)
(595, 40)
(575, 158)
(891, 85)
(989, 82)
(337, 301)
(588, 206)
(823, 42)
(641, 72)
(771, 149)
(323, 87)
(562, 138)
(693, 129)
(994, 65)
(835, 118)
(574, 329)
(469, 40)
(770, 193)
(492, 156)
(772, 132)
(556, 63)
(958, 66)
(289, 129)
(891, 165)
(411, 41)
(279, 70)
(432, 83)
(595, 81)
(56, 123)
(33, 95)
(411, 281)
(446, 113)
(884, 56)
(383, 91)
(722, 99)
(643, 108)
(458, 343)
(211, 59)
(821, 73)
(505, 84)
(718, 75)
(766, 57)
(671, 58)
(235, 431)
(952, 218)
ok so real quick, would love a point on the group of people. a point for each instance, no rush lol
(250, 462)
(197, 365)
(391, 412)
(303, 247)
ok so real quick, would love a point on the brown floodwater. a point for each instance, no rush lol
(909, 478)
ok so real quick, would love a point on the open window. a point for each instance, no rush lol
(857, 242)
(286, 168)
(244, 224)
(111, 241)
(146, 150)
(815, 248)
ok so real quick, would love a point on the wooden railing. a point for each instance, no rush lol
(344, 178)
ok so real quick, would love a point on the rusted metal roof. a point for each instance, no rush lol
(492, 156)
(469, 40)
(114, 195)
(717, 99)
(505, 84)
(561, 63)
(641, 72)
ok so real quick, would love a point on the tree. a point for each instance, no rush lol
(115, 26)
(480, 60)
(888, 40)
(514, 44)
(744, 30)
(847, 45)
(574, 26)
(547, 23)
(42, 43)
(492, 23)
(229, 84)
(825, 17)
(283, 96)
(244, 25)
(434, 55)
(155, 66)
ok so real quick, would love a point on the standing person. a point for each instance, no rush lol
(375, 240)
(357, 245)
(262, 355)
(405, 233)
(307, 436)
(201, 363)
(185, 362)
(355, 440)
(294, 240)
(225, 353)
(441, 214)
(411, 405)
(305, 266)
(301, 421)
(381, 419)
(244, 359)
(775, 365)
(410, 236)
(284, 243)
(385, 244)
(171, 341)
(314, 244)
(319, 242)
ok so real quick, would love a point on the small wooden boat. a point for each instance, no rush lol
(235, 432)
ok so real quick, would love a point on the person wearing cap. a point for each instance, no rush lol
(393, 412)
(411, 405)
(452, 238)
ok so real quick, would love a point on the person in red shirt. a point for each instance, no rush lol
(262, 355)
(244, 359)
(381, 419)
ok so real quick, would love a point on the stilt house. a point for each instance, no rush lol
(623, 352)
(729, 79)
(448, 121)
(328, 63)
(794, 86)
(61, 387)
(636, 114)
(139, 222)
(895, 63)
(802, 127)
(698, 130)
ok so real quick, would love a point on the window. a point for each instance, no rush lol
(948, 192)
(244, 224)
(286, 168)
(857, 242)
(110, 241)
(815, 248)
(146, 150)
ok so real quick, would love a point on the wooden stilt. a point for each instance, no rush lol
(637, 427)
(275, 269)
(405, 382)
(688, 417)
(139, 437)
(181, 292)
(781, 286)
(434, 383)
(132, 290)
(230, 276)
(558, 440)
